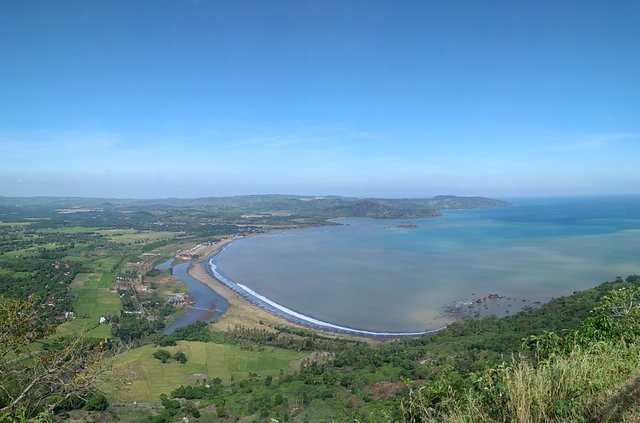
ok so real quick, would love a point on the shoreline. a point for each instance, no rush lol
(246, 305)
(240, 312)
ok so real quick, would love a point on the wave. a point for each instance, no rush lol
(294, 316)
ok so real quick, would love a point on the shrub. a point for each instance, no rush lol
(162, 355)
(166, 341)
(561, 388)
(180, 357)
(96, 402)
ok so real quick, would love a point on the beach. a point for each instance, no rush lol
(256, 311)
(240, 312)
(244, 313)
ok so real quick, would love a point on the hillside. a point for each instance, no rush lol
(244, 209)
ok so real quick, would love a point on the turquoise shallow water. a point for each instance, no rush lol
(370, 274)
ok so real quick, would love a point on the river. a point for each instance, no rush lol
(209, 305)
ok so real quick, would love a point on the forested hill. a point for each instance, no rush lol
(270, 207)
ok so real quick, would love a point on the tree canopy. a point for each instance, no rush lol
(38, 372)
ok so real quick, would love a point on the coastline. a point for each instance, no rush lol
(250, 309)
(240, 311)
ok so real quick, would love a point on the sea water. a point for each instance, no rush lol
(379, 275)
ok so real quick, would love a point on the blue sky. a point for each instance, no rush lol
(367, 98)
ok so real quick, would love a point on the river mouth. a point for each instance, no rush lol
(414, 276)
(207, 304)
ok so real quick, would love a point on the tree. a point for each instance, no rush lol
(96, 402)
(617, 316)
(39, 373)
(162, 355)
(180, 357)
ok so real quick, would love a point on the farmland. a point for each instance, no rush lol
(140, 377)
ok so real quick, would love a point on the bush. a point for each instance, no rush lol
(96, 402)
(180, 357)
(198, 331)
(162, 355)
(166, 341)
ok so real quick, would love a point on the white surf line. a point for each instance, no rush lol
(304, 318)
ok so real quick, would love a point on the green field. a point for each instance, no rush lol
(127, 236)
(116, 235)
(140, 377)
(19, 254)
(15, 274)
(67, 230)
(13, 224)
(94, 299)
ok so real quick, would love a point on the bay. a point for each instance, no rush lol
(378, 275)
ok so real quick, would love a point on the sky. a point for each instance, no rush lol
(157, 98)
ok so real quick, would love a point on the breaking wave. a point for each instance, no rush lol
(294, 316)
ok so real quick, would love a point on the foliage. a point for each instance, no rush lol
(566, 381)
(20, 416)
(162, 355)
(165, 341)
(128, 327)
(180, 357)
(152, 273)
(96, 402)
(620, 312)
(289, 338)
(172, 408)
(198, 331)
(56, 373)
(212, 389)
(560, 389)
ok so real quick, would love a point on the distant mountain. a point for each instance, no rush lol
(271, 207)
(380, 209)
(449, 202)
(411, 208)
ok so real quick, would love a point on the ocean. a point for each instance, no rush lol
(419, 274)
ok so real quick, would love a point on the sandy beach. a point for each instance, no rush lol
(241, 312)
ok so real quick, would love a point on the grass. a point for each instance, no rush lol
(590, 384)
(104, 264)
(128, 236)
(67, 230)
(93, 300)
(27, 252)
(6, 272)
(93, 290)
(122, 236)
(10, 224)
(140, 377)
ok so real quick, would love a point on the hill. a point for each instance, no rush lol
(246, 209)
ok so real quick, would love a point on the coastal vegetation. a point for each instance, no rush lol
(478, 370)
(219, 215)
(83, 310)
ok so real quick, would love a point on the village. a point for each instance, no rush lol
(144, 290)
